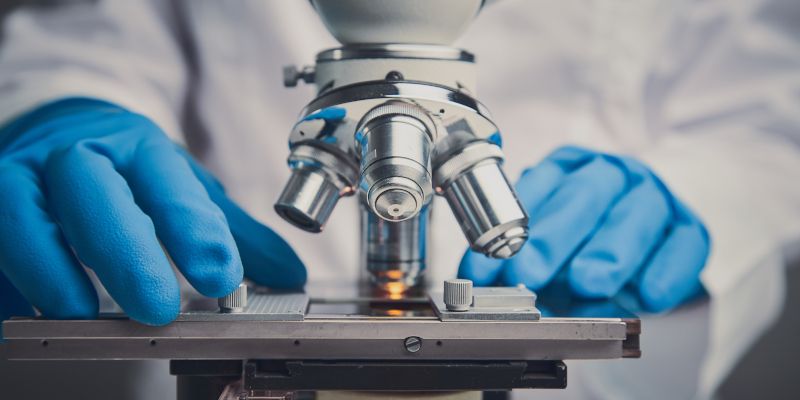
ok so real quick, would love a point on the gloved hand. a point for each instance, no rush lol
(86, 182)
(606, 222)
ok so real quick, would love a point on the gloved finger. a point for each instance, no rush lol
(534, 187)
(673, 274)
(189, 225)
(110, 233)
(539, 182)
(621, 245)
(33, 254)
(12, 304)
(562, 223)
(480, 269)
(267, 258)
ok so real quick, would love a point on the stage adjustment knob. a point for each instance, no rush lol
(458, 294)
(235, 302)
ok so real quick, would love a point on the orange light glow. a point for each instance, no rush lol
(395, 313)
(395, 290)
(394, 274)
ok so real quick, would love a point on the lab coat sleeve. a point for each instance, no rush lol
(730, 148)
(122, 51)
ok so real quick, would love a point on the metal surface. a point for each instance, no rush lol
(258, 307)
(483, 201)
(448, 104)
(413, 344)
(402, 379)
(307, 200)
(321, 174)
(404, 376)
(395, 51)
(316, 339)
(410, 138)
(490, 304)
(393, 143)
(402, 149)
(394, 254)
(487, 297)
(256, 334)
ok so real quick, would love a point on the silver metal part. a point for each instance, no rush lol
(259, 307)
(505, 297)
(556, 339)
(394, 143)
(394, 253)
(441, 65)
(307, 200)
(320, 176)
(450, 105)
(234, 302)
(483, 201)
(491, 304)
(457, 294)
(262, 331)
(395, 51)
(292, 75)
(412, 128)
(413, 344)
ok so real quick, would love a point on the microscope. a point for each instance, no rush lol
(395, 122)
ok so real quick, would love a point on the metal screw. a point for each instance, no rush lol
(292, 75)
(394, 76)
(413, 344)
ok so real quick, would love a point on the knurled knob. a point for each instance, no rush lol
(235, 302)
(458, 294)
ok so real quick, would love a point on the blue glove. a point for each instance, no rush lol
(604, 222)
(84, 182)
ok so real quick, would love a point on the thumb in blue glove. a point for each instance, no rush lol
(607, 222)
(87, 183)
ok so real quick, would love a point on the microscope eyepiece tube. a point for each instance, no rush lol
(483, 201)
(394, 141)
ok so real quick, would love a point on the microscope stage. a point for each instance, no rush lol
(294, 326)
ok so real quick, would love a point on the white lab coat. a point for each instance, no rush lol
(705, 92)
